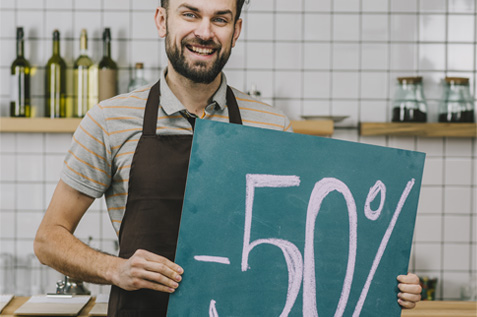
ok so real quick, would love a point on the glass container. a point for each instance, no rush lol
(138, 79)
(409, 103)
(457, 104)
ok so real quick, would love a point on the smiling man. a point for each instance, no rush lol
(207, 54)
(134, 149)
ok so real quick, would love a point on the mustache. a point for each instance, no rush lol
(198, 41)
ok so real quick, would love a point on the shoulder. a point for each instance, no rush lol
(136, 97)
(257, 113)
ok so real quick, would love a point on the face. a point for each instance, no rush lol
(199, 36)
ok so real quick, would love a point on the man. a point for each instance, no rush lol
(134, 149)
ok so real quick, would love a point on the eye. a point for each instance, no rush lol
(221, 20)
(189, 15)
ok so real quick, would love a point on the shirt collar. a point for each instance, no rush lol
(171, 104)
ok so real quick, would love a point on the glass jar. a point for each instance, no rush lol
(456, 105)
(409, 103)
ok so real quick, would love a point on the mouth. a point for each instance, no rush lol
(203, 51)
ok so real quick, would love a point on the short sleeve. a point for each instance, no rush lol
(287, 126)
(87, 166)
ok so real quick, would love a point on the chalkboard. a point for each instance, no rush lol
(282, 224)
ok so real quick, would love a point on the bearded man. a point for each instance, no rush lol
(134, 149)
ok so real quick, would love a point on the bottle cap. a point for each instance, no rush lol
(84, 40)
(457, 80)
(410, 80)
(139, 66)
(56, 35)
(20, 33)
(107, 34)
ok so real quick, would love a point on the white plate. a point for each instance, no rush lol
(334, 118)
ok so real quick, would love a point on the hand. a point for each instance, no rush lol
(410, 290)
(148, 270)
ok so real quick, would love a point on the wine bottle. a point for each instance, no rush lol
(138, 79)
(55, 82)
(107, 70)
(83, 70)
(20, 81)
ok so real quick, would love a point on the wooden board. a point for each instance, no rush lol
(69, 125)
(18, 301)
(42, 305)
(100, 307)
(442, 309)
(458, 130)
(4, 300)
(313, 127)
(39, 125)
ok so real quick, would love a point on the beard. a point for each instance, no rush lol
(198, 71)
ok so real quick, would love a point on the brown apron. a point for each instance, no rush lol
(153, 210)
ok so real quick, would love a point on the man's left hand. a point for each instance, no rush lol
(410, 290)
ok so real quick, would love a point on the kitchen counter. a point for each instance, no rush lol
(423, 309)
(442, 309)
(16, 302)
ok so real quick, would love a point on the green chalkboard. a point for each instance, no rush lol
(278, 224)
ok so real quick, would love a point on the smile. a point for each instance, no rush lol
(200, 50)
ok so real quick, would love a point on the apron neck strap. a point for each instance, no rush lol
(152, 108)
(234, 112)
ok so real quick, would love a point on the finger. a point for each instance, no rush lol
(405, 304)
(410, 278)
(410, 288)
(159, 279)
(409, 297)
(145, 284)
(149, 256)
(163, 269)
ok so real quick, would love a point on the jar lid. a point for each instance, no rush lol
(457, 80)
(410, 80)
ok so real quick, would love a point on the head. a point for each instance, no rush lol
(239, 5)
(200, 35)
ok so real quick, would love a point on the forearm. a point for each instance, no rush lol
(56, 247)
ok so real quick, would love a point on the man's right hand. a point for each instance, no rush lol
(148, 270)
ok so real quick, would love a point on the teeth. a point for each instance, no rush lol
(202, 51)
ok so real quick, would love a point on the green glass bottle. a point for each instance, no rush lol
(20, 81)
(107, 70)
(55, 82)
(83, 79)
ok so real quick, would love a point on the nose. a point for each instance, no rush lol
(204, 30)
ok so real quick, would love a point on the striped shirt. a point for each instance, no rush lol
(99, 159)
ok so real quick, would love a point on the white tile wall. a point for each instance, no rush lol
(327, 57)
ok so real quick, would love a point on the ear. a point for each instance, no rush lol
(237, 30)
(160, 19)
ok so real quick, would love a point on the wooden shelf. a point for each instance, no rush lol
(436, 130)
(313, 127)
(39, 125)
(69, 125)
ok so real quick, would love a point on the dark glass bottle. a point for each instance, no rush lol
(20, 81)
(409, 103)
(55, 82)
(108, 70)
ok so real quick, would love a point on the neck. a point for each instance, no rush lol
(194, 96)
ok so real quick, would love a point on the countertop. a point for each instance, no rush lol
(423, 309)
(442, 309)
(16, 302)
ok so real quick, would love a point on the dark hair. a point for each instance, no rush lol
(165, 5)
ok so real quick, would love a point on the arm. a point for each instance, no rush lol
(410, 290)
(56, 246)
